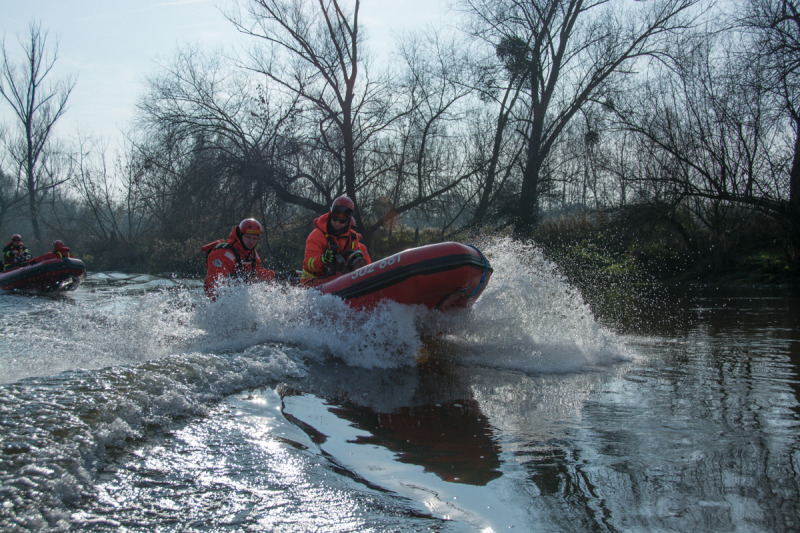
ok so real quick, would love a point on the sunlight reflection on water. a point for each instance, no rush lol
(137, 405)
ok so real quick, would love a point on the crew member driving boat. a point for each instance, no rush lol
(333, 247)
(235, 258)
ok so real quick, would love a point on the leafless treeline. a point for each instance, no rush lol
(680, 109)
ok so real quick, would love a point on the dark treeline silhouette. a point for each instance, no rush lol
(659, 135)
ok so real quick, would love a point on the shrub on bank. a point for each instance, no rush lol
(627, 246)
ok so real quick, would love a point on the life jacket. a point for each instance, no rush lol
(344, 246)
(12, 249)
(63, 252)
(14, 255)
(238, 271)
(344, 258)
(210, 246)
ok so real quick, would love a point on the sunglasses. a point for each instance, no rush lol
(341, 220)
(341, 214)
(341, 210)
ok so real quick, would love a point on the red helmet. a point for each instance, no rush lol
(58, 244)
(250, 226)
(343, 205)
(16, 237)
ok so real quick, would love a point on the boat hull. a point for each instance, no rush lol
(440, 276)
(45, 276)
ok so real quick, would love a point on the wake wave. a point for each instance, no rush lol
(533, 320)
(528, 318)
(88, 375)
(58, 431)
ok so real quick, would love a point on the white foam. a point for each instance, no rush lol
(154, 356)
(528, 318)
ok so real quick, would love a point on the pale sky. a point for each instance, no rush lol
(111, 46)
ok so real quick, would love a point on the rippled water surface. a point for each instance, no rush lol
(133, 404)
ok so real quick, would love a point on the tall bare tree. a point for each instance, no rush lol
(314, 53)
(216, 135)
(775, 26)
(38, 101)
(569, 51)
(436, 162)
(498, 87)
(10, 194)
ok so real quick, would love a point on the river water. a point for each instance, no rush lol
(133, 404)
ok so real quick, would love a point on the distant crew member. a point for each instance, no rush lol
(15, 254)
(236, 258)
(60, 251)
(333, 247)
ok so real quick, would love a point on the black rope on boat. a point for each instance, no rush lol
(485, 271)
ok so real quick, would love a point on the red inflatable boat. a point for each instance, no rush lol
(441, 276)
(45, 275)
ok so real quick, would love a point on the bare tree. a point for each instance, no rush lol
(707, 125)
(114, 213)
(11, 196)
(775, 27)
(569, 51)
(500, 84)
(219, 137)
(435, 158)
(314, 53)
(37, 103)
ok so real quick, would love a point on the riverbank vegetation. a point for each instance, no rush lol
(635, 141)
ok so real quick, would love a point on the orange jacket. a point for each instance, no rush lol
(230, 259)
(59, 253)
(320, 240)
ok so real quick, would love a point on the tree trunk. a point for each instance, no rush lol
(793, 214)
(528, 207)
(33, 203)
(482, 211)
(350, 160)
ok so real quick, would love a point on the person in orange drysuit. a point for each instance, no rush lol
(236, 258)
(333, 247)
(59, 252)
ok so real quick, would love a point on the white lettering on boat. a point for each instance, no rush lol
(369, 269)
